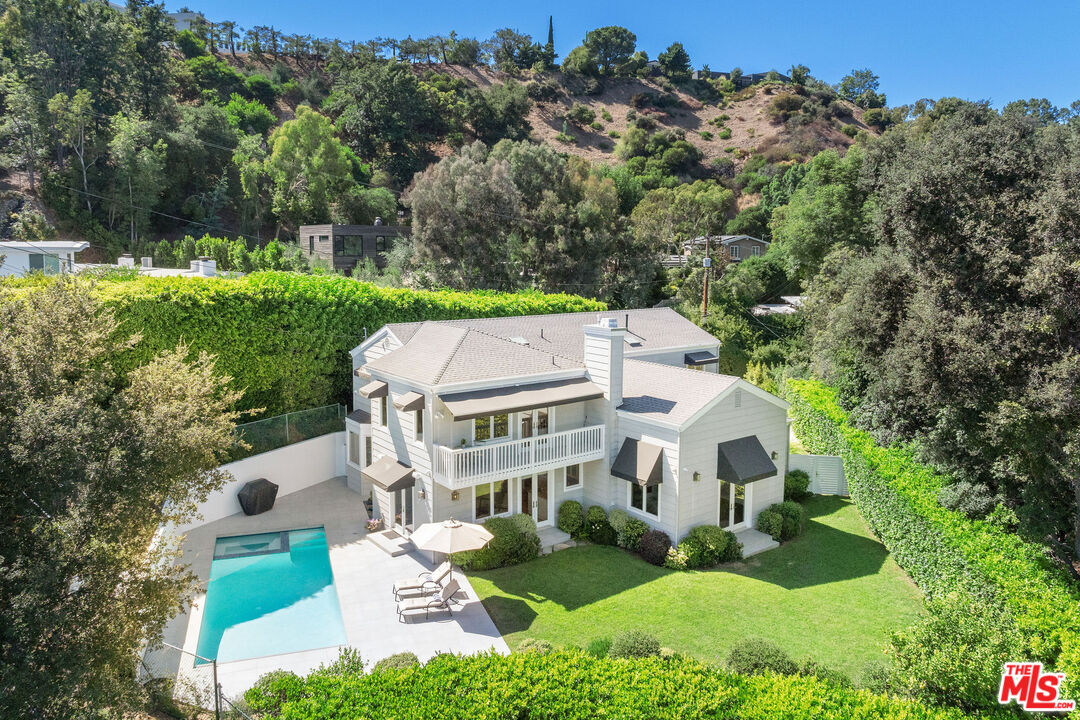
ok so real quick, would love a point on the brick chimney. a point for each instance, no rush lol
(604, 344)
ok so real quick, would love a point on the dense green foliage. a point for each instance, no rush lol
(703, 547)
(634, 644)
(796, 484)
(755, 656)
(571, 518)
(512, 543)
(943, 550)
(247, 322)
(653, 546)
(570, 685)
(94, 458)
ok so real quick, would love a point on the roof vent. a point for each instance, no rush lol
(519, 340)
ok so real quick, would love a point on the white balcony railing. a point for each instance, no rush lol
(458, 468)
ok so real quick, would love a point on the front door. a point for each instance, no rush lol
(403, 510)
(733, 501)
(536, 498)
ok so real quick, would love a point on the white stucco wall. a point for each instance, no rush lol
(291, 468)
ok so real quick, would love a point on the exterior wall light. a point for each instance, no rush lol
(697, 476)
(454, 495)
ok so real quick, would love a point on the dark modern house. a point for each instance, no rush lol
(347, 245)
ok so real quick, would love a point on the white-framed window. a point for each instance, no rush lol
(645, 500)
(382, 410)
(733, 251)
(573, 477)
(755, 250)
(354, 448)
(491, 499)
(367, 451)
(491, 427)
(418, 425)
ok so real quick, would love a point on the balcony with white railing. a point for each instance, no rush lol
(458, 468)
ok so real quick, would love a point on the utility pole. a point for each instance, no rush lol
(707, 264)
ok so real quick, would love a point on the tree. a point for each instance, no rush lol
(23, 125)
(74, 118)
(307, 168)
(581, 61)
(511, 50)
(675, 62)
(92, 463)
(799, 74)
(249, 157)
(860, 87)
(1041, 110)
(462, 51)
(548, 56)
(386, 116)
(500, 112)
(150, 73)
(611, 45)
(138, 163)
(667, 217)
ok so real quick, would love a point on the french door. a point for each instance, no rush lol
(403, 509)
(536, 498)
(534, 422)
(733, 502)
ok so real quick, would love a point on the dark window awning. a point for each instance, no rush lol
(390, 474)
(639, 462)
(374, 389)
(743, 461)
(493, 401)
(701, 357)
(409, 401)
(361, 373)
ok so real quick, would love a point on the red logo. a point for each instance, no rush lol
(1032, 689)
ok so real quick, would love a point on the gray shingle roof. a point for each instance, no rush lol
(669, 393)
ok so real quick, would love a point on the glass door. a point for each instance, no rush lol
(403, 509)
(534, 422)
(733, 501)
(536, 498)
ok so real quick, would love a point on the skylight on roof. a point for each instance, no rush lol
(633, 340)
(519, 340)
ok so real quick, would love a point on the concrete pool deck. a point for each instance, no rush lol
(363, 575)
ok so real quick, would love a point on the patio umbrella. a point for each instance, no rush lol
(451, 536)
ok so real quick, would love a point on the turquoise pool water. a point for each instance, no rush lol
(269, 594)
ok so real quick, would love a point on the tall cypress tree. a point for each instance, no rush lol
(549, 48)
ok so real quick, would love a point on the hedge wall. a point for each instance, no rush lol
(285, 337)
(570, 685)
(942, 550)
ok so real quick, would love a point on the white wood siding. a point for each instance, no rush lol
(697, 449)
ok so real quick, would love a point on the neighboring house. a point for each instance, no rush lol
(789, 305)
(748, 79)
(737, 247)
(48, 256)
(480, 418)
(347, 245)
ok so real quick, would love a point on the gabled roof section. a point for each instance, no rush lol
(668, 394)
(652, 330)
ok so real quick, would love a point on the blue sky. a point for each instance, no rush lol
(987, 50)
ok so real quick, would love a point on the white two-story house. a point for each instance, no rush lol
(480, 418)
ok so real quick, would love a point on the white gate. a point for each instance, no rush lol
(826, 473)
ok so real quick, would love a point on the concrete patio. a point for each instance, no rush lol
(363, 576)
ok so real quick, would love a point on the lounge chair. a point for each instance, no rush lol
(425, 583)
(439, 601)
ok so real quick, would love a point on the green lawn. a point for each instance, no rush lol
(833, 593)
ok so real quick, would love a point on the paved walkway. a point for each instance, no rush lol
(364, 576)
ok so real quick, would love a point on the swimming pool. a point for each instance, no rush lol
(269, 594)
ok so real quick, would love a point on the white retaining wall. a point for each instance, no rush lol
(826, 473)
(292, 468)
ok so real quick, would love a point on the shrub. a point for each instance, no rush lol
(812, 668)
(771, 523)
(245, 322)
(755, 656)
(397, 661)
(678, 558)
(524, 523)
(600, 647)
(654, 546)
(796, 483)
(706, 135)
(273, 690)
(190, 44)
(605, 114)
(794, 518)
(509, 546)
(618, 519)
(544, 90)
(724, 134)
(954, 654)
(708, 544)
(602, 533)
(614, 134)
(581, 114)
(595, 518)
(596, 126)
(732, 552)
(634, 644)
(260, 88)
(630, 536)
(571, 518)
(850, 130)
(566, 139)
(348, 662)
(571, 685)
(942, 550)
(535, 645)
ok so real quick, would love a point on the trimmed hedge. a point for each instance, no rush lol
(572, 685)
(942, 550)
(654, 546)
(285, 338)
(571, 518)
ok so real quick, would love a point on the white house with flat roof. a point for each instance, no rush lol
(487, 417)
(48, 256)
